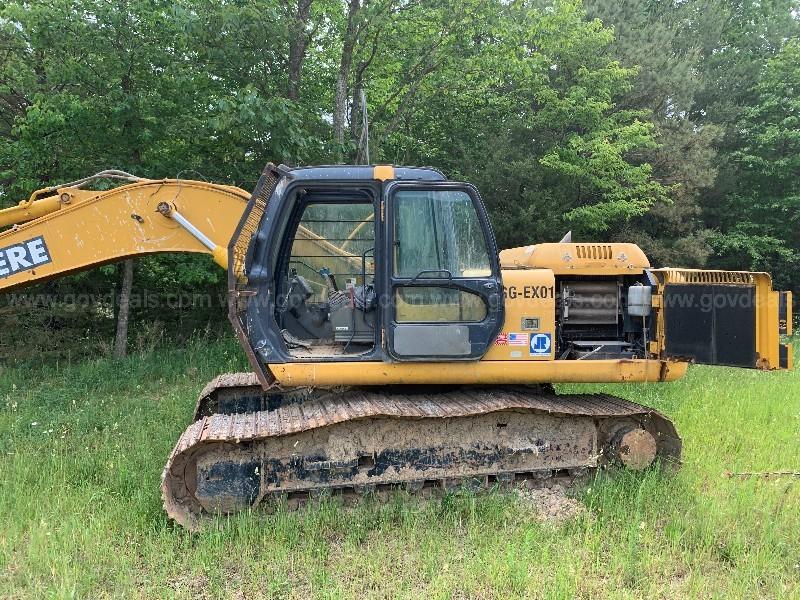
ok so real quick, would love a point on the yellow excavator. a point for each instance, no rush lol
(391, 343)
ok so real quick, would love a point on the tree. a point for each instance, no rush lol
(97, 97)
(522, 101)
(124, 310)
(737, 39)
(762, 230)
(361, 30)
(655, 37)
(101, 89)
(300, 34)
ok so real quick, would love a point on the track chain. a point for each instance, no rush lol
(608, 415)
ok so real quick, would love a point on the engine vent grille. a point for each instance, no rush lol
(698, 276)
(594, 251)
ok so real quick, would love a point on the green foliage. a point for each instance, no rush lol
(762, 226)
(669, 124)
(599, 163)
(523, 103)
(769, 157)
(652, 36)
(701, 75)
(92, 85)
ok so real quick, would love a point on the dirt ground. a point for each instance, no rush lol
(551, 505)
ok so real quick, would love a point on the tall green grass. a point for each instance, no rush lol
(83, 446)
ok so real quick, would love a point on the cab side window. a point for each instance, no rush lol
(437, 236)
(438, 231)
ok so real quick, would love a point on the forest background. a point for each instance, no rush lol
(671, 124)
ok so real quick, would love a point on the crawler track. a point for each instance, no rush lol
(356, 441)
(235, 393)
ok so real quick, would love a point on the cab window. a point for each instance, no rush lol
(438, 234)
(431, 304)
(332, 237)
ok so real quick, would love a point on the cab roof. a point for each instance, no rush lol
(364, 172)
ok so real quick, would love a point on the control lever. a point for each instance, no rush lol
(330, 279)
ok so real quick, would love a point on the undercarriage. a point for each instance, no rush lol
(248, 448)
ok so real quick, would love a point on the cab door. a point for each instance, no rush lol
(443, 291)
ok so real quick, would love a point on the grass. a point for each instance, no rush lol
(83, 445)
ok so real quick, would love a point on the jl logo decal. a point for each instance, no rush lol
(541, 344)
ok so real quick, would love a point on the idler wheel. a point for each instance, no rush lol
(635, 448)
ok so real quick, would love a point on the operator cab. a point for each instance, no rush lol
(419, 282)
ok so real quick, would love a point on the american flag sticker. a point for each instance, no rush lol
(517, 339)
(502, 340)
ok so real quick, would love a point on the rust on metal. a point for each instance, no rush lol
(636, 449)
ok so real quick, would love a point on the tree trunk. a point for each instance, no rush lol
(345, 64)
(299, 38)
(341, 105)
(355, 109)
(121, 339)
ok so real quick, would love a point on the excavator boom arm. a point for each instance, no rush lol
(73, 229)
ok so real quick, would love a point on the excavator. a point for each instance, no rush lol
(392, 344)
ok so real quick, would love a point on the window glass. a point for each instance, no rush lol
(333, 237)
(438, 231)
(437, 304)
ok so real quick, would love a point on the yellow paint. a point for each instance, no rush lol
(578, 259)
(96, 228)
(768, 338)
(220, 256)
(539, 287)
(88, 228)
(27, 210)
(383, 172)
(494, 372)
